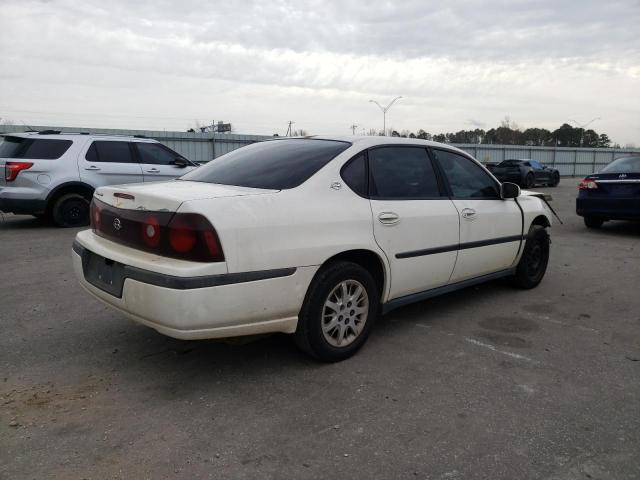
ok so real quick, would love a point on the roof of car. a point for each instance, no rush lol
(49, 134)
(365, 141)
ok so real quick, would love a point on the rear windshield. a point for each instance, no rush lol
(509, 163)
(623, 165)
(33, 148)
(274, 164)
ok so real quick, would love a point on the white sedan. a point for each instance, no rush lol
(314, 237)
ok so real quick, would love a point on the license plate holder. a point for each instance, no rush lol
(624, 190)
(103, 273)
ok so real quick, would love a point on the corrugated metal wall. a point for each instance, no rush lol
(569, 161)
(202, 147)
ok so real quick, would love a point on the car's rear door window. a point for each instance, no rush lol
(402, 173)
(33, 148)
(466, 178)
(108, 151)
(275, 164)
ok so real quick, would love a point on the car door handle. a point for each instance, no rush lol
(388, 218)
(92, 168)
(153, 170)
(468, 213)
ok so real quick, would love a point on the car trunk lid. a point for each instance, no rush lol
(621, 185)
(168, 196)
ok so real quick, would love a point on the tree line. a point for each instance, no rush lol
(508, 133)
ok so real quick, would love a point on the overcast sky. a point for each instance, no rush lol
(459, 64)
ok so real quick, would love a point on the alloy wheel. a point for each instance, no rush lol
(344, 313)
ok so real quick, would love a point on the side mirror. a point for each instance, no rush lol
(509, 190)
(180, 162)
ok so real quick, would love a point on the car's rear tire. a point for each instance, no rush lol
(338, 313)
(529, 180)
(70, 210)
(593, 222)
(534, 260)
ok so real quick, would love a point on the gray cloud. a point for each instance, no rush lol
(538, 61)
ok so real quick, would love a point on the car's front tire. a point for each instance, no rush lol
(534, 260)
(70, 210)
(339, 310)
(556, 180)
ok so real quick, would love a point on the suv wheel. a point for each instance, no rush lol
(338, 313)
(71, 210)
(556, 180)
(534, 260)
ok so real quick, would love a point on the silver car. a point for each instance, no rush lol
(53, 175)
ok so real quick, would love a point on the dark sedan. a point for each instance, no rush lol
(611, 194)
(526, 173)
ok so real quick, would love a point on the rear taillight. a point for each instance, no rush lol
(95, 216)
(12, 169)
(187, 236)
(192, 236)
(587, 184)
(151, 231)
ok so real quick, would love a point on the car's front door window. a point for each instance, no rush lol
(466, 178)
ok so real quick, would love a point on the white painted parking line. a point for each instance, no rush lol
(503, 352)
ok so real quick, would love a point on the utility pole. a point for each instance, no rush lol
(289, 129)
(384, 112)
(353, 129)
(583, 126)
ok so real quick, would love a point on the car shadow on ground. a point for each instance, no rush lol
(620, 228)
(136, 347)
(9, 221)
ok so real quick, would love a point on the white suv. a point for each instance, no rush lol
(53, 174)
(311, 236)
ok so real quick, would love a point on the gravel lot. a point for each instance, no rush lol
(489, 382)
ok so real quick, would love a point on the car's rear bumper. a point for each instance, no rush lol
(20, 204)
(242, 306)
(609, 208)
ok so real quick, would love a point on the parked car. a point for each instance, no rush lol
(314, 237)
(51, 174)
(526, 173)
(611, 194)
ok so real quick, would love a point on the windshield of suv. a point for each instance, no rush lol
(623, 165)
(274, 164)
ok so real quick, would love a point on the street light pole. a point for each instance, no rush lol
(384, 112)
(583, 126)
